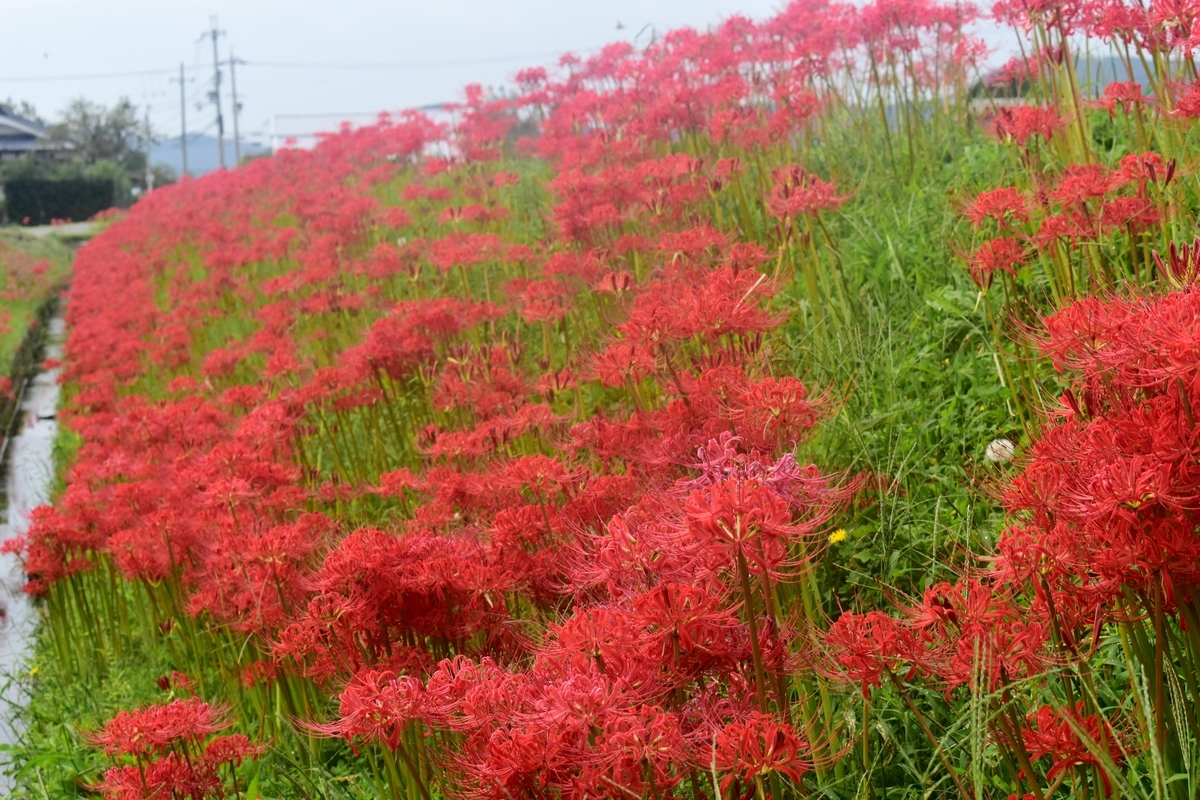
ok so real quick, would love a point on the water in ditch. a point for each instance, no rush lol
(28, 483)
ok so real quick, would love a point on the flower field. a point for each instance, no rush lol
(778, 411)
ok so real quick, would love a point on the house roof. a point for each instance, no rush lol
(20, 135)
(18, 127)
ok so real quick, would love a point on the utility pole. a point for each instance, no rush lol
(237, 142)
(215, 96)
(149, 173)
(182, 122)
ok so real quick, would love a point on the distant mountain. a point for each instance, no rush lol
(201, 152)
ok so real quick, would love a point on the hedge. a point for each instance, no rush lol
(35, 201)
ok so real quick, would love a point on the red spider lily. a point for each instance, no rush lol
(744, 519)
(544, 301)
(981, 635)
(1081, 183)
(176, 754)
(179, 775)
(1003, 205)
(378, 706)
(396, 217)
(176, 681)
(337, 447)
(683, 622)
(1130, 213)
(169, 777)
(1049, 734)
(998, 255)
(232, 749)
(797, 193)
(154, 729)
(1066, 227)
(639, 752)
(757, 748)
(1022, 123)
(866, 647)
(1142, 167)
(1017, 71)
(1187, 105)
(1126, 94)
(1183, 263)
(1107, 498)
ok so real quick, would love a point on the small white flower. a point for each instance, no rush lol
(1000, 451)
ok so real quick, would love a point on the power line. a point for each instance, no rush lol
(94, 76)
(325, 114)
(462, 62)
(381, 65)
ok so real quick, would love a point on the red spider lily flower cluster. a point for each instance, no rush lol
(796, 193)
(533, 497)
(174, 750)
(1109, 493)
(1022, 123)
(26, 277)
(758, 747)
(1071, 744)
(1086, 203)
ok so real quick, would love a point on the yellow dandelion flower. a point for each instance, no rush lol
(838, 535)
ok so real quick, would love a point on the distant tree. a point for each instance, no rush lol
(105, 141)
(22, 109)
(100, 142)
(98, 133)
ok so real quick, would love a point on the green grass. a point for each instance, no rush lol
(18, 251)
(54, 760)
(913, 378)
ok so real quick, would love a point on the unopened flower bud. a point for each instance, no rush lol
(1000, 451)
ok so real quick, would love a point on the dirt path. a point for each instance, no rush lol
(70, 229)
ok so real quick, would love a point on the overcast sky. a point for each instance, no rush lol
(446, 43)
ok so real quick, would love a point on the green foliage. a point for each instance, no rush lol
(33, 201)
(95, 142)
(19, 252)
(54, 758)
(107, 170)
(98, 133)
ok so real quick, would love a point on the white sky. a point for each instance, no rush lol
(498, 37)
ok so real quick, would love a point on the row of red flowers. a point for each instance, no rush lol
(513, 501)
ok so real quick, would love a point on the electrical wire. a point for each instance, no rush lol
(462, 62)
(378, 65)
(93, 76)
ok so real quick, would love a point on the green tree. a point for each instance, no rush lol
(109, 169)
(22, 109)
(96, 133)
(98, 142)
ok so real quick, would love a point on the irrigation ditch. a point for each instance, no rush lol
(27, 472)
